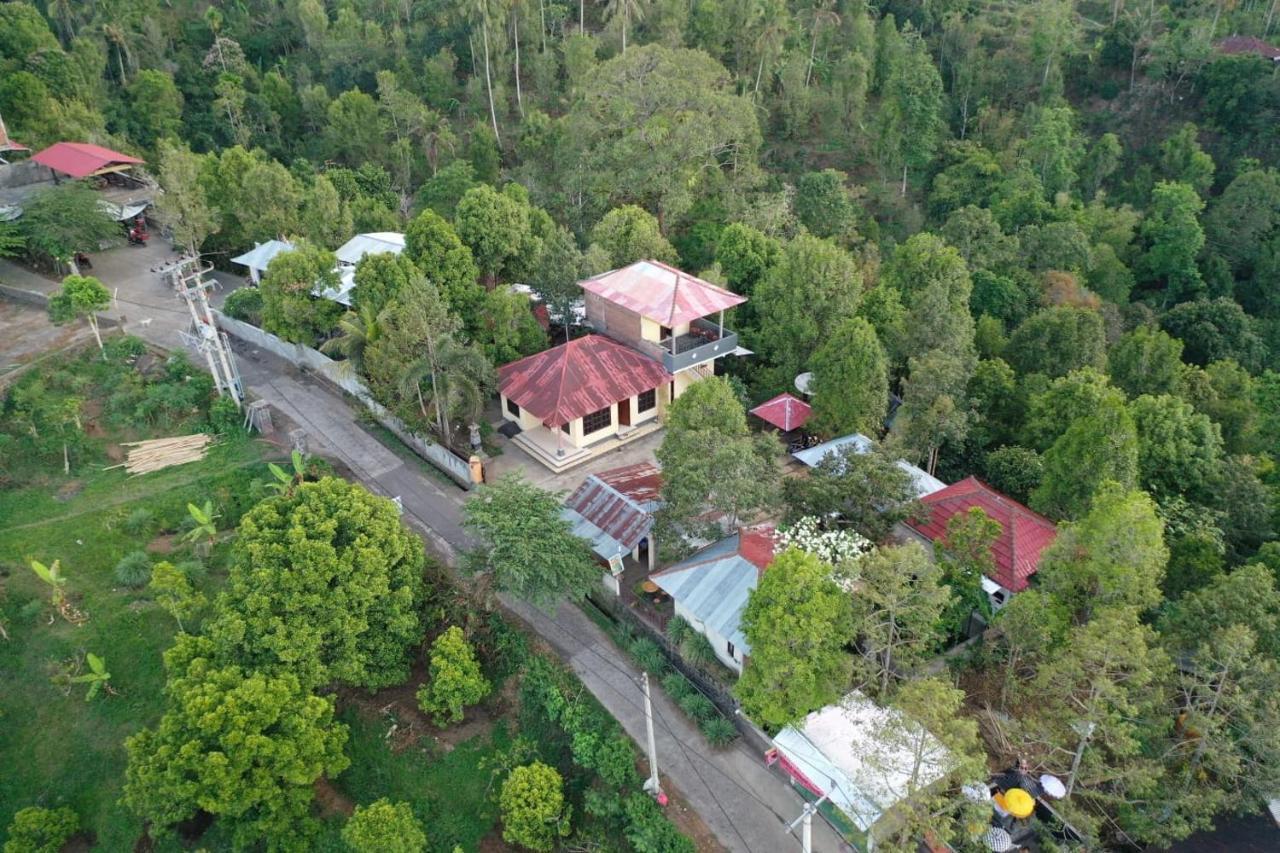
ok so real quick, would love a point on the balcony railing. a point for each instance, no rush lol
(703, 342)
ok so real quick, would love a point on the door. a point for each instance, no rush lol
(624, 413)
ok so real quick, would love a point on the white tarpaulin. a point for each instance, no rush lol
(257, 258)
(123, 212)
(862, 756)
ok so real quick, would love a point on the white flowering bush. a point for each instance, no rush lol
(836, 547)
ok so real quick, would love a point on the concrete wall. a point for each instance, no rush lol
(317, 362)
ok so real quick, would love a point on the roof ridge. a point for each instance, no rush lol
(564, 368)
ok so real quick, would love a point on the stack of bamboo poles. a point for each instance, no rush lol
(147, 456)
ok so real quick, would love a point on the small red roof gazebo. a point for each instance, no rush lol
(784, 411)
(82, 159)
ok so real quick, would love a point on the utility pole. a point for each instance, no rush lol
(1085, 730)
(188, 277)
(806, 819)
(652, 785)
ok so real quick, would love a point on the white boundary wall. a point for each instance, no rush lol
(317, 362)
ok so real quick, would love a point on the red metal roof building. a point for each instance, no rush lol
(1024, 534)
(82, 159)
(575, 379)
(661, 293)
(1236, 45)
(784, 411)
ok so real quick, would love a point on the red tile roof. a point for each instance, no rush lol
(564, 383)
(81, 159)
(1248, 44)
(662, 293)
(642, 482)
(1024, 536)
(784, 411)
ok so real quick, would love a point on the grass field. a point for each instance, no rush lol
(55, 748)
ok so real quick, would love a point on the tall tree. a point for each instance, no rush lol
(868, 491)
(1174, 238)
(439, 253)
(797, 621)
(60, 221)
(850, 381)
(288, 307)
(183, 205)
(630, 233)
(80, 296)
(1099, 446)
(1146, 361)
(1179, 449)
(495, 225)
(911, 124)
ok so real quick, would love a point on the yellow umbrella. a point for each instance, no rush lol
(1019, 803)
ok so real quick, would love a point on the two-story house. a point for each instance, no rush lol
(658, 330)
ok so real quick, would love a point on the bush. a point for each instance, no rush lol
(698, 707)
(134, 570)
(455, 681)
(225, 416)
(384, 827)
(718, 731)
(244, 304)
(647, 655)
(679, 630)
(139, 521)
(534, 813)
(648, 829)
(195, 570)
(123, 347)
(697, 650)
(677, 686)
(37, 830)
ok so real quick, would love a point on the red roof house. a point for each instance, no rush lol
(661, 293)
(1024, 534)
(1236, 45)
(82, 159)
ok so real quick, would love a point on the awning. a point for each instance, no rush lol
(123, 212)
(784, 411)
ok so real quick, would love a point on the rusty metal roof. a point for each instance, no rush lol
(609, 511)
(642, 482)
(562, 384)
(662, 293)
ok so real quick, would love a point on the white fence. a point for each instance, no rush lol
(317, 362)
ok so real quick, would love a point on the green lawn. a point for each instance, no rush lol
(57, 749)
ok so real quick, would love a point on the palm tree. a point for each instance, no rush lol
(481, 16)
(459, 381)
(117, 37)
(356, 331)
(97, 677)
(629, 9)
(823, 11)
(773, 29)
(64, 12)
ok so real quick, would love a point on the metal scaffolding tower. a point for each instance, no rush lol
(188, 278)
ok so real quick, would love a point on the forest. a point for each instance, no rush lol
(1040, 240)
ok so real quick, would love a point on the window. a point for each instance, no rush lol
(647, 400)
(664, 333)
(731, 650)
(566, 428)
(597, 421)
(513, 408)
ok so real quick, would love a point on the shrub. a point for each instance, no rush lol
(697, 650)
(123, 347)
(698, 707)
(225, 416)
(679, 630)
(647, 655)
(139, 521)
(456, 681)
(384, 827)
(534, 813)
(648, 829)
(244, 304)
(718, 731)
(37, 830)
(134, 570)
(677, 686)
(195, 570)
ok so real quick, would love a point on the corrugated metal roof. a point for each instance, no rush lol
(81, 159)
(378, 242)
(260, 255)
(613, 513)
(601, 542)
(1024, 534)
(841, 744)
(926, 483)
(642, 482)
(714, 584)
(562, 384)
(662, 293)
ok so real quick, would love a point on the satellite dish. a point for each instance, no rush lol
(803, 381)
(1052, 786)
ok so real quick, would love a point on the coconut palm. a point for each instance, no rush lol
(356, 332)
(450, 381)
(630, 10)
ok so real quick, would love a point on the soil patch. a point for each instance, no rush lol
(163, 544)
(115, 453)
(68, 490)
(331, 800)
(493, 843)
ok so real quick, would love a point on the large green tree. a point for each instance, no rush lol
(1146, 361)
(628, 234)
(80, 296)
(435, 248)
(1098, 446)
(60, 221)
(850, 385)
(184, 205)
(1179, 449)
(495, 225)
(288, 307)
(1058, 340)
(797, 621)
(868, 491)
(1174, 238)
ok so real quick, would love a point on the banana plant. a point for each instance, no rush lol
(205, 527)
(97, 677)
(52, 575)
(285, 483)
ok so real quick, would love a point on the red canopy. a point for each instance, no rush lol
(81, 159)
(784, 411)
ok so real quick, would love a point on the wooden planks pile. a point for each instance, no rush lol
(147, 456)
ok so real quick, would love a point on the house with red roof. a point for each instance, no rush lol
(613, 511)
(657, 331)
(711, 588)
(1023, 534)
